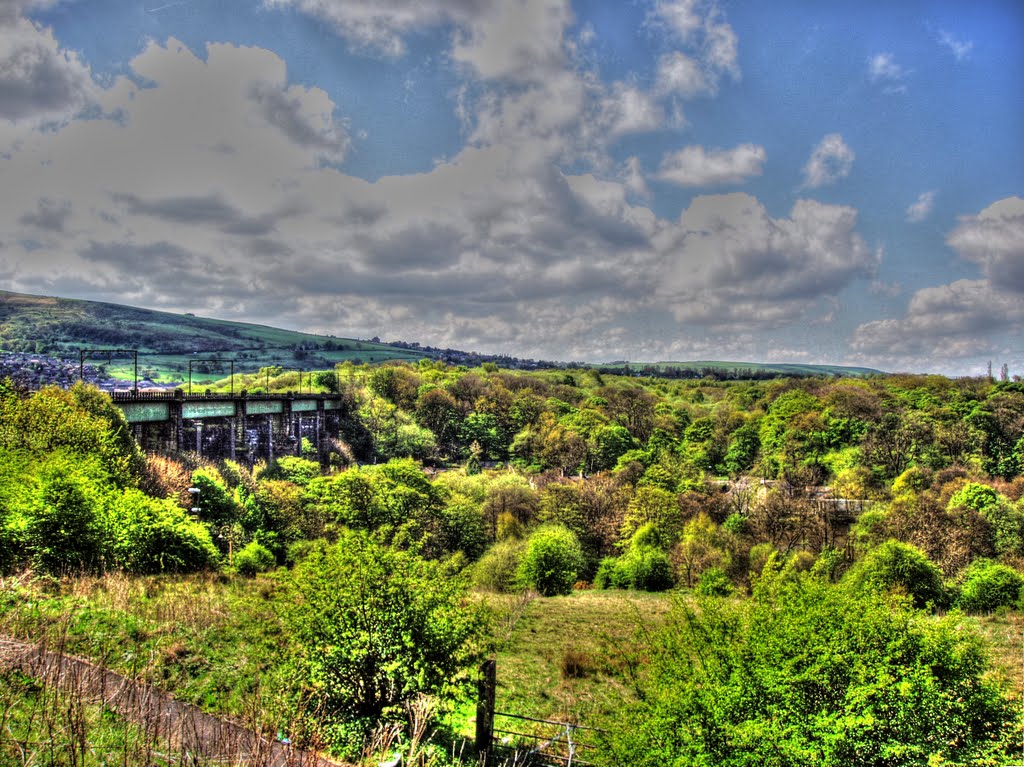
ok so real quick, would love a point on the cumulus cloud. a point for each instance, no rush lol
(694, 166)
(380, 26)
(728, 260)
(994, 239)
(213, 175)
(626, 109)
(519, 40)
(952, 320)
(39, 80)
(830, 161)
(921, 208)
(964, 318)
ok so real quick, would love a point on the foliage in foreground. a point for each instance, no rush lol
(810, 673)
(380, 626)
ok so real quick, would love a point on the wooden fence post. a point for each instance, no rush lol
(485, 710)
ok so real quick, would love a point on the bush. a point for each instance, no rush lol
(714, 583)
(63, 533)
(552, 560)
(988, 585)
(254, 558)
(643, 567)
(379, 627)
(498, 568)
(900, 567)
(808, 674)
(149, 536)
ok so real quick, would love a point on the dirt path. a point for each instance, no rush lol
(182, 726)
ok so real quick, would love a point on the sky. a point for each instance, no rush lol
(579, 180)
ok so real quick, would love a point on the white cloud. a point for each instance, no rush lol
(994, 239)
(965, 318)
(955, 320)
(380, 26)
(921, 208)
(883, 69)
(830, 161)
(682, 74)
(626, 109)
(728, 261)
(693, 166)
(518, 40)
(710, 44)
(961, 49)
(633, 178)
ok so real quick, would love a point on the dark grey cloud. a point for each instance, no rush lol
(152, 257)
(38, 80)
(288, 114)
(48, 216)
(421, 246)
(211, 210)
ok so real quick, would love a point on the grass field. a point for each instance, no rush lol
(219, 642)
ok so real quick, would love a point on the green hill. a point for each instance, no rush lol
(719, 369)
(61, 327)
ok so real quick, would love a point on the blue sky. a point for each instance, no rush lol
(648, 180)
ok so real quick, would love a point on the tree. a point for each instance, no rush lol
(988, 585)
(901, 567)
(63, 531)
(552, 561)
(378, 627)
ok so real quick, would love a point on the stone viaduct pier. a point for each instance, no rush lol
(245, 427)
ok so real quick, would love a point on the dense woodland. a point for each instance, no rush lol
(822, 539)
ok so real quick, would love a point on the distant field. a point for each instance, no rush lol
(783, 369)
(166, 342)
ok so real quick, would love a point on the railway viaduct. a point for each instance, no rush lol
(245, 427)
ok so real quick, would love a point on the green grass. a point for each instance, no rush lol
(572, 658)
(214, 642)
(43, 725)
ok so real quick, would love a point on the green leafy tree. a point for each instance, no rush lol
(988, 585)
(900, 567)
(552, 561)
(63, 533)
(378, 627)
(145, 535)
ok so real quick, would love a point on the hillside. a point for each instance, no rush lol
(61, 327)
(738, 370)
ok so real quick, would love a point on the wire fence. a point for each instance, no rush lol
(548, 743)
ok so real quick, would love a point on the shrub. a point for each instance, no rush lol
(552, 560)
(148, 536)
(900, 566)
(254, 558)
(379, 627)
(807, 674)
(642, 567)
(988, 585)
(605, 578)
(497, 569)
(63, 532)
(714, 583)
